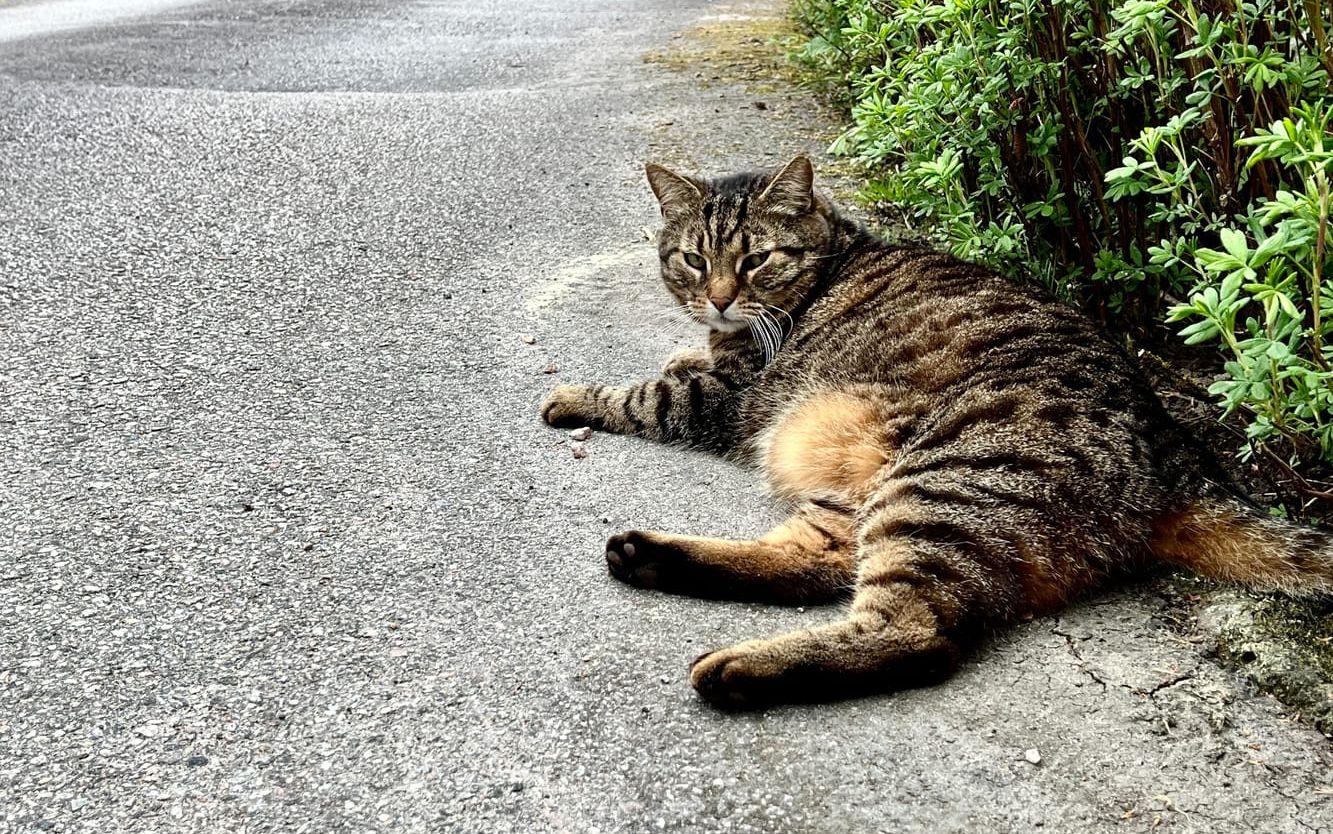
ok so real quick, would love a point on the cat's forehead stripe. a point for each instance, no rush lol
(723, 218)
(741, 203)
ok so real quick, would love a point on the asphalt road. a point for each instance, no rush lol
(283, 546)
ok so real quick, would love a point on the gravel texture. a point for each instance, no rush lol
(284, 547)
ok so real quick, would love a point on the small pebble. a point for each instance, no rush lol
(579, 452)
(1032, 755)
(550, 368)
(527, 338)
(581, 434)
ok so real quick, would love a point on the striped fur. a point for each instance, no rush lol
(960, 450)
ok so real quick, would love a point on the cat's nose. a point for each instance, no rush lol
(721, 302)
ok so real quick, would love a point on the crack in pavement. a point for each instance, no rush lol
(1072, 645)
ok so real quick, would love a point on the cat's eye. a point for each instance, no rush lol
(695, 261)
(753, 261)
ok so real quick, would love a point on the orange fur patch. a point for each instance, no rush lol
(1217, 542)
(830, 446)
(811, 531)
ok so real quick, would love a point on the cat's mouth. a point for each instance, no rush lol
(727, 322)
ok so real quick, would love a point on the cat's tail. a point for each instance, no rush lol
(1221, 536)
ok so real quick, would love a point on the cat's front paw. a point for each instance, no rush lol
(688, 361)
(567, 407)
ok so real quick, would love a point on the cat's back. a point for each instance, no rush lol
(925, 319)
(932, 341)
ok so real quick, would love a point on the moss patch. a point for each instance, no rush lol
(1308, 624)
(737, 42)
(1281, 645)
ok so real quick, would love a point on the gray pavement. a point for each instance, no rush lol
(283, 546)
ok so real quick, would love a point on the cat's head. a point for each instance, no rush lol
(738, 249)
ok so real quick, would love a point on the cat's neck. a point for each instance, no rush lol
(849, 240)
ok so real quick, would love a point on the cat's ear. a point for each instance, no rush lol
(792, 190)
(676, 194)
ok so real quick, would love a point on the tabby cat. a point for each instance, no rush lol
(960, 451)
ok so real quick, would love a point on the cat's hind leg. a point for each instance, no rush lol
(806, 559)
(919, 605)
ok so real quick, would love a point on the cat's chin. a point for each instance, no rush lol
(726, 325)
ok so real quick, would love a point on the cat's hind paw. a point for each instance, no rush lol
(745, 676)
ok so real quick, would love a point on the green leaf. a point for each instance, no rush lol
(1234, 242)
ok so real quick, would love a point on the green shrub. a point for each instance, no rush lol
(1143, 158)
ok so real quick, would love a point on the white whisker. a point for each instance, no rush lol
(768, 335)
(790, 321)
(669, 314)
(763, 335)
(754, 331)
(774, 340)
